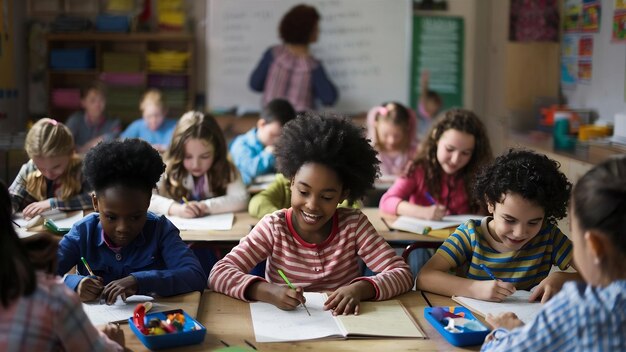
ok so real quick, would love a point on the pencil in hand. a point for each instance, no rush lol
(280, 272)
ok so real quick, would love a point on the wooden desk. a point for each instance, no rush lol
(229, 320)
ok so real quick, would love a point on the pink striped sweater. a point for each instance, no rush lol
(315, 267)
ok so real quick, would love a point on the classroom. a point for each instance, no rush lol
(332, 175)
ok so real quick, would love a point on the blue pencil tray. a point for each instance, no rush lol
(464, 338)
(184, 338)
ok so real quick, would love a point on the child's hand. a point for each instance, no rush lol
(36, 208)
(507, 320)
(286, 298)
(551, 285)
(90, 288)
(492, 290)
(114, 332)
(435, 212)
(187, 210)
(345, 300)
(123, 287)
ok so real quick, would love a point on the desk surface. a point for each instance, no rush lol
(243, 223)
(228, 319)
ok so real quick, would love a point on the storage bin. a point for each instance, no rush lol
(112, 23)
(72, 59)
(193, 332)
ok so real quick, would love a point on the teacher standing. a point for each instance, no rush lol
(289, 71)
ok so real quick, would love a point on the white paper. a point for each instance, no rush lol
(272, 324)
(69, 221)
(415, 225)
(220, 222)
(516, 303)
(120, 311)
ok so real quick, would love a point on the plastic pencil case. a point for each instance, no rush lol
(193, 332)
(464, 336)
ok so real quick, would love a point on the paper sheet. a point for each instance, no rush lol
(120, 311)
(69, 221)
(516, 303)
(220, 222)
(411, 224)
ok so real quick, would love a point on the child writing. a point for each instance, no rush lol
(253, 152)
(430, 104)
(526, 194)
(52, 178)
(289, 70)
(153, 127)
(130, 251)
(391, 128)
(583, 316)
(199, 179)
(438, 183)
(314, 242)
(90, 126)
(37, 311)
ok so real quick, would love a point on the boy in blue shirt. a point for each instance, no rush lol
(129, 250)
(253, 152)
(153, 126)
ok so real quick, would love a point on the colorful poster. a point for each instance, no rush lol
(584, 71)
(569, 71)
(572, 15)
(569, 45)
(620, 5)
(585, 46)
(590, 19)
(534, 21)
(619, 27)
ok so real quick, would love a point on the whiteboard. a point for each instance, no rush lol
(364, 46)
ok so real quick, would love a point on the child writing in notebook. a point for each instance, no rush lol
(199, 179)
(391, 128)
(52, 178)
(583, 316)
(315, 243)
(90, 125)
(526, 194)
(253, 152)
(153, 127)
(440, 178)
(129, 250)
(37, 311)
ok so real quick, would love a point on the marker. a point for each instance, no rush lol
(280, 272)
(14, 223)
(185, 200)
(87, 266)
(488, 271)
(430, 198)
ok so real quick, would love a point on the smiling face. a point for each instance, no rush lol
(390, 136)
(52, 167)
(153, 115)
(199, 156)
(315, 192)
(454, 150)
(123, 212)
(515, 222)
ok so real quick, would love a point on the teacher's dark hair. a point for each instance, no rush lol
(297, 25)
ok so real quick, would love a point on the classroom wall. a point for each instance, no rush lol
(12, 68)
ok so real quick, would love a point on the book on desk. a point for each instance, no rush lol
(375, 319)
(441, 229)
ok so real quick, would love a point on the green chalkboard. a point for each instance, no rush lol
(438, 48)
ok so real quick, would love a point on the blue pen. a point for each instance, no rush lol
(488, 271)
(430, 198)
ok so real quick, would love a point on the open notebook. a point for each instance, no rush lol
(375, 319)
(219, 222)
(120, 311)
(516, 303)
(415, 225)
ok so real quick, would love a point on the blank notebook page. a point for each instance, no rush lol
(516, 303)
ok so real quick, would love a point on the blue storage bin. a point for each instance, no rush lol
(72, 59)
(188, 336)
(465, 337)
(112, 23)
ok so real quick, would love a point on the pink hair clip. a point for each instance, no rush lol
(53, 122)
(383, 111)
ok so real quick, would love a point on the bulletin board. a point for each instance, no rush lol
(364, 45)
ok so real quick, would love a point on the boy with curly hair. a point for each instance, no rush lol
(130, 250)
(526, 194)
(327, 160)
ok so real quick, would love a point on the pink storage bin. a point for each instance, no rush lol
(165, 81)
(123, 79)
(66, 98)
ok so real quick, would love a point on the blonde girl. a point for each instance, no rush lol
(391, 130)
(199, 179)
(440, 179)
(153, 127)
(52, 178)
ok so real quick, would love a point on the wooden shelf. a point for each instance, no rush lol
(125, 37)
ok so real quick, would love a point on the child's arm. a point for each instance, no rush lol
(249, 161)
(19, 195)
(235, 199)
(435, 277)
(259, 75)
(276, 196)
(394, 201)
(424, 78)
(183, 273)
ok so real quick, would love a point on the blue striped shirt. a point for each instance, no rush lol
(467, 248)
(578, 318)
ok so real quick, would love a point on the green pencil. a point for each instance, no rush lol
(87, 266)
(280, 272)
